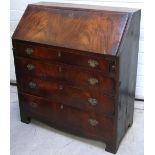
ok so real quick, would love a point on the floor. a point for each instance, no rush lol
(39, 139)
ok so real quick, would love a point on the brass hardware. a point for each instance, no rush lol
(32, 84)
(60, 69)
(93, 81)
(71, 14)
(113, 67)
(60, 87)
(92, 101)
(59, 54)
(92, 63)
(93, 122)
(61, 107)
(104, 52)
(30, 67)
(34, 105)
(29, 51)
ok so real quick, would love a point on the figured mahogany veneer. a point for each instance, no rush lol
(95, 31)
(72, 75)
(66, 115)
(61, 55)
(65, 94)
(76, 68)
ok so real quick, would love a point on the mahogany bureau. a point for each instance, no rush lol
(76, 68)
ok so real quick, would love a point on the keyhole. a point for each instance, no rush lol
(60, 87)
(60, 69)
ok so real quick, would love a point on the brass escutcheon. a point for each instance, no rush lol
(61, 107)
(59, 54)
(60, 69)
(60, 87)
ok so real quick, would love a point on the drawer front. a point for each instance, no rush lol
(74, 76)
(63, 56)
(87, 100)
(67, 116)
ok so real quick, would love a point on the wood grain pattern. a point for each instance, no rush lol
(69, 116)
(98, 32)
(126, 97)
(61, 93)
(57, 82)
(73, 76)
(61, 55)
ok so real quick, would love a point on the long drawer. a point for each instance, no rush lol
(56, 91)
(73, 75)
(61, 114)
(66, 56)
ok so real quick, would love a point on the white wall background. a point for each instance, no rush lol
(18, 6)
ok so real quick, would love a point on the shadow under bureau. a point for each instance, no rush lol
(76, 68)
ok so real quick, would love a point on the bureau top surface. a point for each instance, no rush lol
(86, 6)
(87, 28)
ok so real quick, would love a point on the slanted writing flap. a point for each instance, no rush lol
(86, 30)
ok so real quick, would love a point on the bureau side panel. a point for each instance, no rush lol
(128, 57)
(23, 115)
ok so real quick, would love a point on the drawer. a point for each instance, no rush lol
(66, 56)
(74, 76)
(94, 101)
(64, 115)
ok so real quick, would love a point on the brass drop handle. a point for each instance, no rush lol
(93, 81)
(32, 84)
(34, 105)
(93, 63)
(93, 122)
(92, 101)
(30, 67)
(29, 51)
